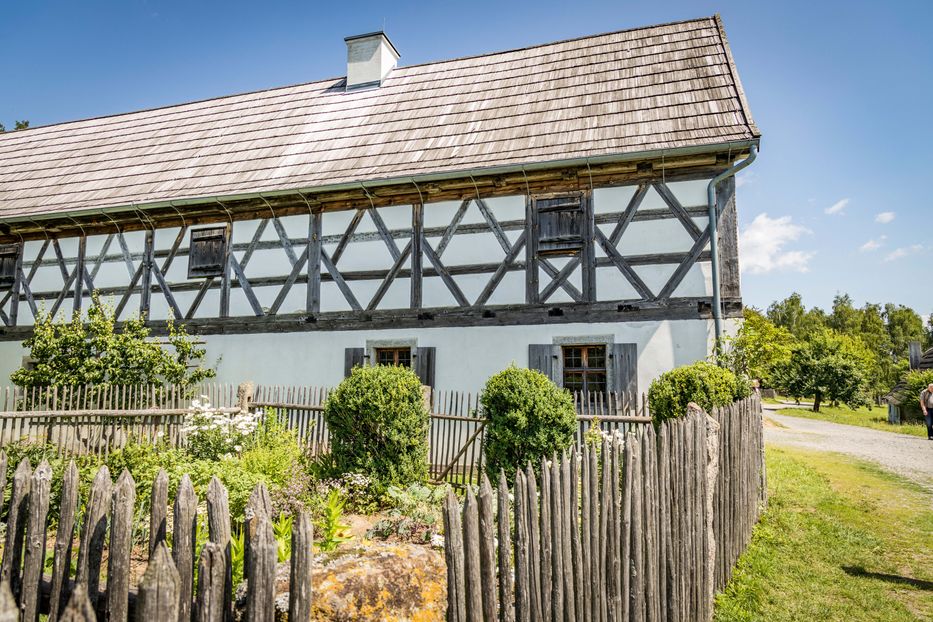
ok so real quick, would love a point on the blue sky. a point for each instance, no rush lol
(839, 200)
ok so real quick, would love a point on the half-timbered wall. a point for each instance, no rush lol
(464, 273)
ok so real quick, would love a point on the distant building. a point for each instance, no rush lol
(896, 398)
(545, 206)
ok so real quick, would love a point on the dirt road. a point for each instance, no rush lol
(909, 456)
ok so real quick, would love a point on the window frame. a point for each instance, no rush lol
(585, 370)
(396, 352)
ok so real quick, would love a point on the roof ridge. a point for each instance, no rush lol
(340, 78)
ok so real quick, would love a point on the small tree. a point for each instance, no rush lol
(758, 346)
(826, 367)
(95, 352)
(529, 417)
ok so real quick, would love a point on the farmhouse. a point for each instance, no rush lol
(568, 206)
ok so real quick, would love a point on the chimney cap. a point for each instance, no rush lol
(375, 33)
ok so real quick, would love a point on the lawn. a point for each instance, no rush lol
(841, 540)
(877, 418)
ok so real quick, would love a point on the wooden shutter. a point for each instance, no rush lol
(9, 254)
(625, 368)
(353, 357)
(561, 224)
(424, 365)
(546, 358)
(207, 252)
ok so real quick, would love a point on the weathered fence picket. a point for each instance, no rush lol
(643, 528)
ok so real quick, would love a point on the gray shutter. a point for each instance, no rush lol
(424, 365)
(546, 358)
(353, 357)
(625, 368)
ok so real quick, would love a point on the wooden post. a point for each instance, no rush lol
(218, 522)
(588, 253)
(16, 525)
(258, 506)
(157, 600)
(531, 252)
(35, 542)
(314, 262)
(17, 286)
(225, 275)
(158, 508)
(184, 543)
(299, 593)
(64, 538)
(145, 292)
(121, 545)
(506, 609)
(471, 546)
(417, 256)
(79, 274)
(453, 551)
(260, 588)
(244, 395)
(9, 612)
(209, 606)
(93, 533)
(79, 608)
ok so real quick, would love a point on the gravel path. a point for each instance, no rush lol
(910, 456)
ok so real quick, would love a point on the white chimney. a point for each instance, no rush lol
(370, 58)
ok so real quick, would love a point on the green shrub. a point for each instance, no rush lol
(529, 417)
(379, 425)
(909, 397)
(704, 383)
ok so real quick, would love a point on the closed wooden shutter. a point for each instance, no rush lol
(424, 365)
(545, 358)
(353, 357)
(625, 368)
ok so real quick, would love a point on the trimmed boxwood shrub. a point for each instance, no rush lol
(379, 425)
(528, 417)
(702, 382)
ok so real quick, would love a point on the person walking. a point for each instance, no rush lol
(926, 407)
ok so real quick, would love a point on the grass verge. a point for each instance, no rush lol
(876, 419)
(841, 540)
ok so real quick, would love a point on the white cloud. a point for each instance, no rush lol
(904, 251)
(885, 217)
(746, 178)
(837, 208)
(873, 245)
(762, 243)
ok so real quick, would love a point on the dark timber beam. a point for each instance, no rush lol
(493, 315)
(40, 226)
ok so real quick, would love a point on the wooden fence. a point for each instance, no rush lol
(81, 420)
(166, 591)
(641, 530)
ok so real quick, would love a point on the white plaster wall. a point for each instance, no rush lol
(466, 357)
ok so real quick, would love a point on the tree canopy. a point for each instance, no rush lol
(91, 351)
(846, 355)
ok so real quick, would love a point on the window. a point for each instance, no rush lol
(585, 368)
(207, 252)
(393, 356)
(560, 224)
(8, 256)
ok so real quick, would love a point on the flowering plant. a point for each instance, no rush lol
(212, 434)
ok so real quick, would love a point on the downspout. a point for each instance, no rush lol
(714, 234)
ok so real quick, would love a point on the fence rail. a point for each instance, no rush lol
(645, 529)
(99, 420)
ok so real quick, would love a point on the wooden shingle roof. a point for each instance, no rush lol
(660, 88)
